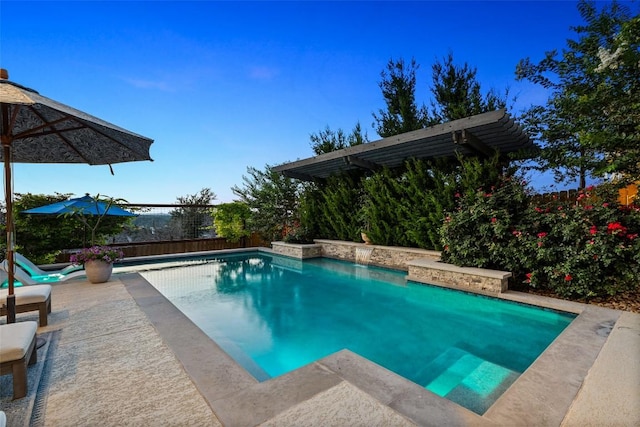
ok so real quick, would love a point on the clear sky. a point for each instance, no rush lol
(222, 86)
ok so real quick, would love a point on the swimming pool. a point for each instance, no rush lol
(274, 314)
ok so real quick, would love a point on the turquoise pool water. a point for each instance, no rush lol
(274, 314)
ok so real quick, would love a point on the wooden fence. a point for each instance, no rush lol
(179, 246)
(627, 195)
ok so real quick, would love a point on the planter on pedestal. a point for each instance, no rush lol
(98, 271)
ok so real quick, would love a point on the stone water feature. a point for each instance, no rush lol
(363, 255)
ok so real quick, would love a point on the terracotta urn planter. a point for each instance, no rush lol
(98, 271)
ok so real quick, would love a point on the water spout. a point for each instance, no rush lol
(363, 255)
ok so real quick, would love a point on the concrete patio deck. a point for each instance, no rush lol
(126, 356)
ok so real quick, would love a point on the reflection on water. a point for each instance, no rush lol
(275, 314)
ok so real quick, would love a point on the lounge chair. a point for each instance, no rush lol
(25, 279)
(34, 270)
(36, 297)
(17, 350)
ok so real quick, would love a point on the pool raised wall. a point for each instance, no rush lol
(421, 265)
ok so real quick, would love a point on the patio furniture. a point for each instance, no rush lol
(23, 277)
(17, 350)
(34, 270)
(29, 298)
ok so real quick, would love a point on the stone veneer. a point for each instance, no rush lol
(422, 265)
(465, 278)
(385, 256)
(297, 250)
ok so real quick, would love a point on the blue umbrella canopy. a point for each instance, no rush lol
(85, 205)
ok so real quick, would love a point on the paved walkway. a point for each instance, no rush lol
(127, 357)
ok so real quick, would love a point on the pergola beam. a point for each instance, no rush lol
(361, 163)
(483, 134)
(469, 140)
(297, 175)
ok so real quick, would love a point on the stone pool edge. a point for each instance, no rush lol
(542, 394)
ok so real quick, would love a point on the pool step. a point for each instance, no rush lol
(469, 380)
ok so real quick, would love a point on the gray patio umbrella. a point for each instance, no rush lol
(36, 129)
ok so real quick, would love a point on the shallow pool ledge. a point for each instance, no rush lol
(464, 278)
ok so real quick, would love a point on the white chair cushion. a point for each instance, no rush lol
(27, 294)
(15, 339)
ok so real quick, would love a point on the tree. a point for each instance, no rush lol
(590, 124)
(398, 87)
(230, 220)
(327, 140)
(92, 222)
(197, 217)
(457, 93)
(272, 199)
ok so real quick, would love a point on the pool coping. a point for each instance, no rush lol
(542, 395)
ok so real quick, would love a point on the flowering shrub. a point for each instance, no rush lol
(296, 234)
(103, 253)
(480, 232)
(591, 248)
(585, 248)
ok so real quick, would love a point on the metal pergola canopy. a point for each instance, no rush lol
(480, 135)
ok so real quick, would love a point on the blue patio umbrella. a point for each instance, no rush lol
(85, 205)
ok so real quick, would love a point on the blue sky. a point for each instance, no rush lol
(221, 86)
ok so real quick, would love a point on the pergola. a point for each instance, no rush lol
(480, 135)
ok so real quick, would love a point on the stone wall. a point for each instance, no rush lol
(297, 250)
(422, 265)
(465, 278)
(384, 256)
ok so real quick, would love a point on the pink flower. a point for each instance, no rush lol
(605, 205)
(493, 220)
(593, 230)
(528, 277)
(541, 235)
(568, 278)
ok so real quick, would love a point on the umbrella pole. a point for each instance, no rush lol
(11, 298)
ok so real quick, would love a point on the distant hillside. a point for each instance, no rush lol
(152, 220)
